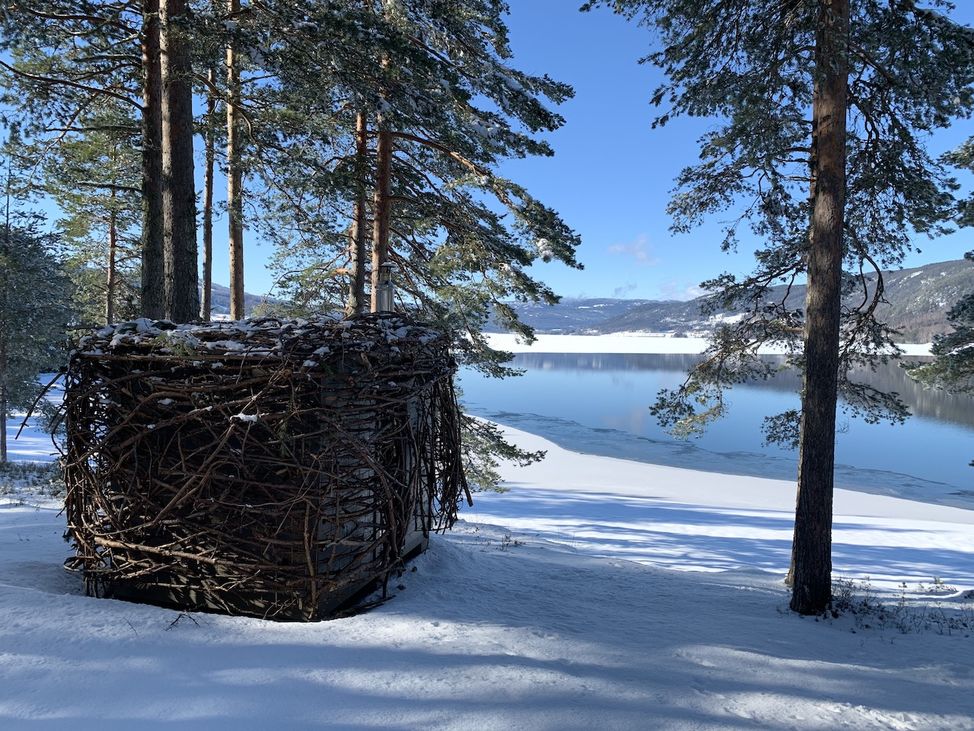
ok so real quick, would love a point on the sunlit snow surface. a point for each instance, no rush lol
(29, 442)
(33, 445)
(552, 606)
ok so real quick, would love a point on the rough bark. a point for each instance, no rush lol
(4, 331)
(153, 258)
(234, 178)
(381, 208)
(112, 277)
(358, 235)
(209, 154)
(3, 418)
(3, 400)
(812, 547)
(178, 182)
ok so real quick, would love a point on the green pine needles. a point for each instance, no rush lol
(751, 67)
(821, 112)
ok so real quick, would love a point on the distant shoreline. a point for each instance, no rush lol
(634, 343)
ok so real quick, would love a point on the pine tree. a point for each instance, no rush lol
(385, 148)
(358, 246)
(831, 196)
(209, 167)
(235, 143)
(452, 106)
(94, 177)
(952, 368)
(33, 303)
(178, 168)
(277, 127)
(446, 108)
(431, 79)
(67, 53)
(153, 220)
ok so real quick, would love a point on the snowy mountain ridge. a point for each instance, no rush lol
(917, 303)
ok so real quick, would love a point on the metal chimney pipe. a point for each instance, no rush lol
(386, 289)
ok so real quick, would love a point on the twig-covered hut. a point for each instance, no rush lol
(273, 468)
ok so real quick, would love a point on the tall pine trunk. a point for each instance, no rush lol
(3, 408)
(153, 257)
(111, 280)
(381, 208)
(358, 236)
(812, 547)
(4, 325)
(234, 177)
(178, 182)
(3, 398)
(381, 203)
(209, 158)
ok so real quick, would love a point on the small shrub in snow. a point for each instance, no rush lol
(26, 479)
(910, 613)
(507, 542)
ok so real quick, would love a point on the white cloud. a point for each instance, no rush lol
(674, 290)
(640, 250)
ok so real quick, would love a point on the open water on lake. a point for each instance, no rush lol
(600, 404)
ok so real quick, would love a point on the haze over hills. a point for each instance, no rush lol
(917, 303)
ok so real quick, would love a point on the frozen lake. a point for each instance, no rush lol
(598, 403)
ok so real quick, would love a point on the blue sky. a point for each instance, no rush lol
(611, 175)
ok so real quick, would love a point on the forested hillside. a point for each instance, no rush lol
(916, 304)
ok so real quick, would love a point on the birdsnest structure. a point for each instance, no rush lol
(273, 468)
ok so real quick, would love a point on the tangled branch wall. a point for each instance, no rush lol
(271, 468)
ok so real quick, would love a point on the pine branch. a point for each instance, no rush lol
(71, 84)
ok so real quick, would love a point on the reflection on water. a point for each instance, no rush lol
(599, 403)
(891, 378)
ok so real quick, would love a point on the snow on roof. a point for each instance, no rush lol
(305, 340)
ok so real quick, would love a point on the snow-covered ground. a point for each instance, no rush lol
(32, 445)
(596, 593)
(634, 342)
